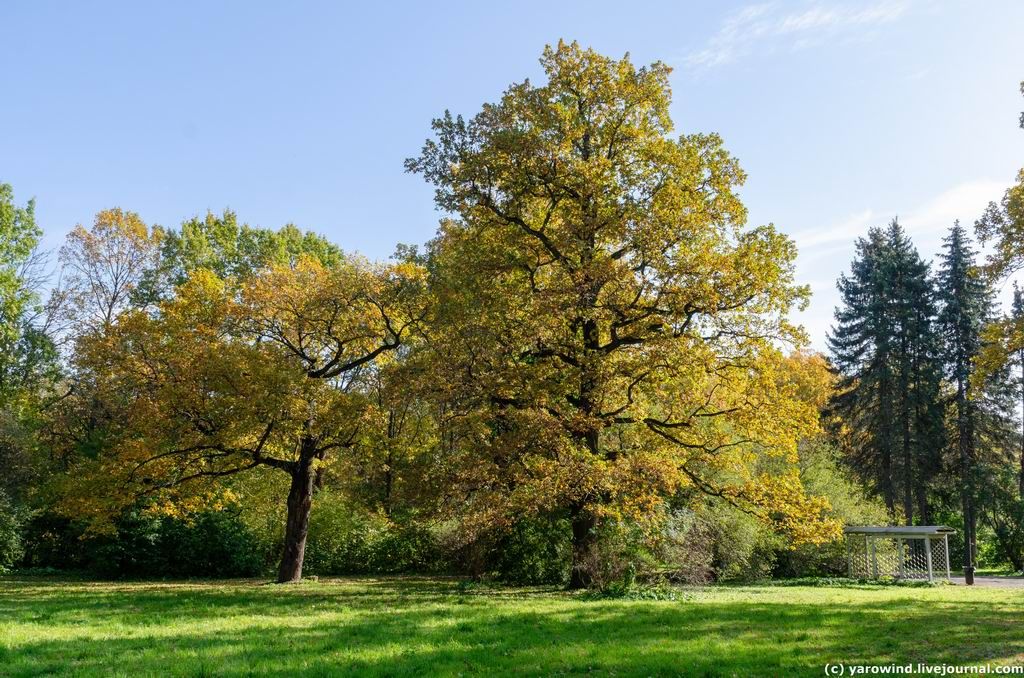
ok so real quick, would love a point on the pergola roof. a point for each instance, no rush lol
(900, 530)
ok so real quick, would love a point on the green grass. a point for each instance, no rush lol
(427, 627)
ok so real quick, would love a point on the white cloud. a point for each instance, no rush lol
(846, 230)
(919, 74)
(964, 201)
(764, 27)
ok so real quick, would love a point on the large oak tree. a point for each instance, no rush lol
(232, 376)
(608, 327)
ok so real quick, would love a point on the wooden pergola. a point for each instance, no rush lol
(900, 552)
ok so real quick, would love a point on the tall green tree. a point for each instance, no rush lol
(28, 367)
(861, 346)
(1017, 363)
(19, 298)
(19, 236)
(966, 306)
(28, 363)
(994, 482)
(919, 377)
(1001, 228)
(219, 243)
(885, 347)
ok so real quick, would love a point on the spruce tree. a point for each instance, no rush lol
(885, 347)
(979, 412)
(916, 356)
(860, 345)
(1017, 365)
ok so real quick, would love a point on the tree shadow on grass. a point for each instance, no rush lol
(366, 628)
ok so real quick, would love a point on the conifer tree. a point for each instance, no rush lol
(885, 347)
(861, 351)
(918, 379)
(1017, 363)
(965, 305)
(979, 409)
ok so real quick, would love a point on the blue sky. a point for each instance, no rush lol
(844, 114)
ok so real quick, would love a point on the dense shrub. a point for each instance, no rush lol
(990, 553)
(1002, 516)
(705, 539)
(624, 553)
(208, 544)
(535, 551)
(697, 541)
(134, 551)
(686, 548)
(823, 474)
(52, 541)
(743, 547)
(346, 539)
(213, 544)
(12, 519)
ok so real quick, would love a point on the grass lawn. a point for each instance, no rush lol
(425, 627)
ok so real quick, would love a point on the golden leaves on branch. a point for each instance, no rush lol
(603, 308)
(231, 376)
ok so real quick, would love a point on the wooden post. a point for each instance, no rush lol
(874, 560)
(899, 554)
(849, 559)
(945, 537)
(928, 556)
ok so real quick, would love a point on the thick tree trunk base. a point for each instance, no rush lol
(577, 581)
(583, 538)
(300, 503)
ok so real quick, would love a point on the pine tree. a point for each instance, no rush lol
(965, 304)
(920, 421)
(979, 412)
(885, 347)
(1017, 363)
(861, 351)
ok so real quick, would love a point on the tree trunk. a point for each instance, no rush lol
(906, 409)
(970, 546)
(583, 521)
(583, 539)
(908, 477)
(908, 500)
(924, 510)
(888, 479)
(967, 489)
(966, 443)
(300, 502)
